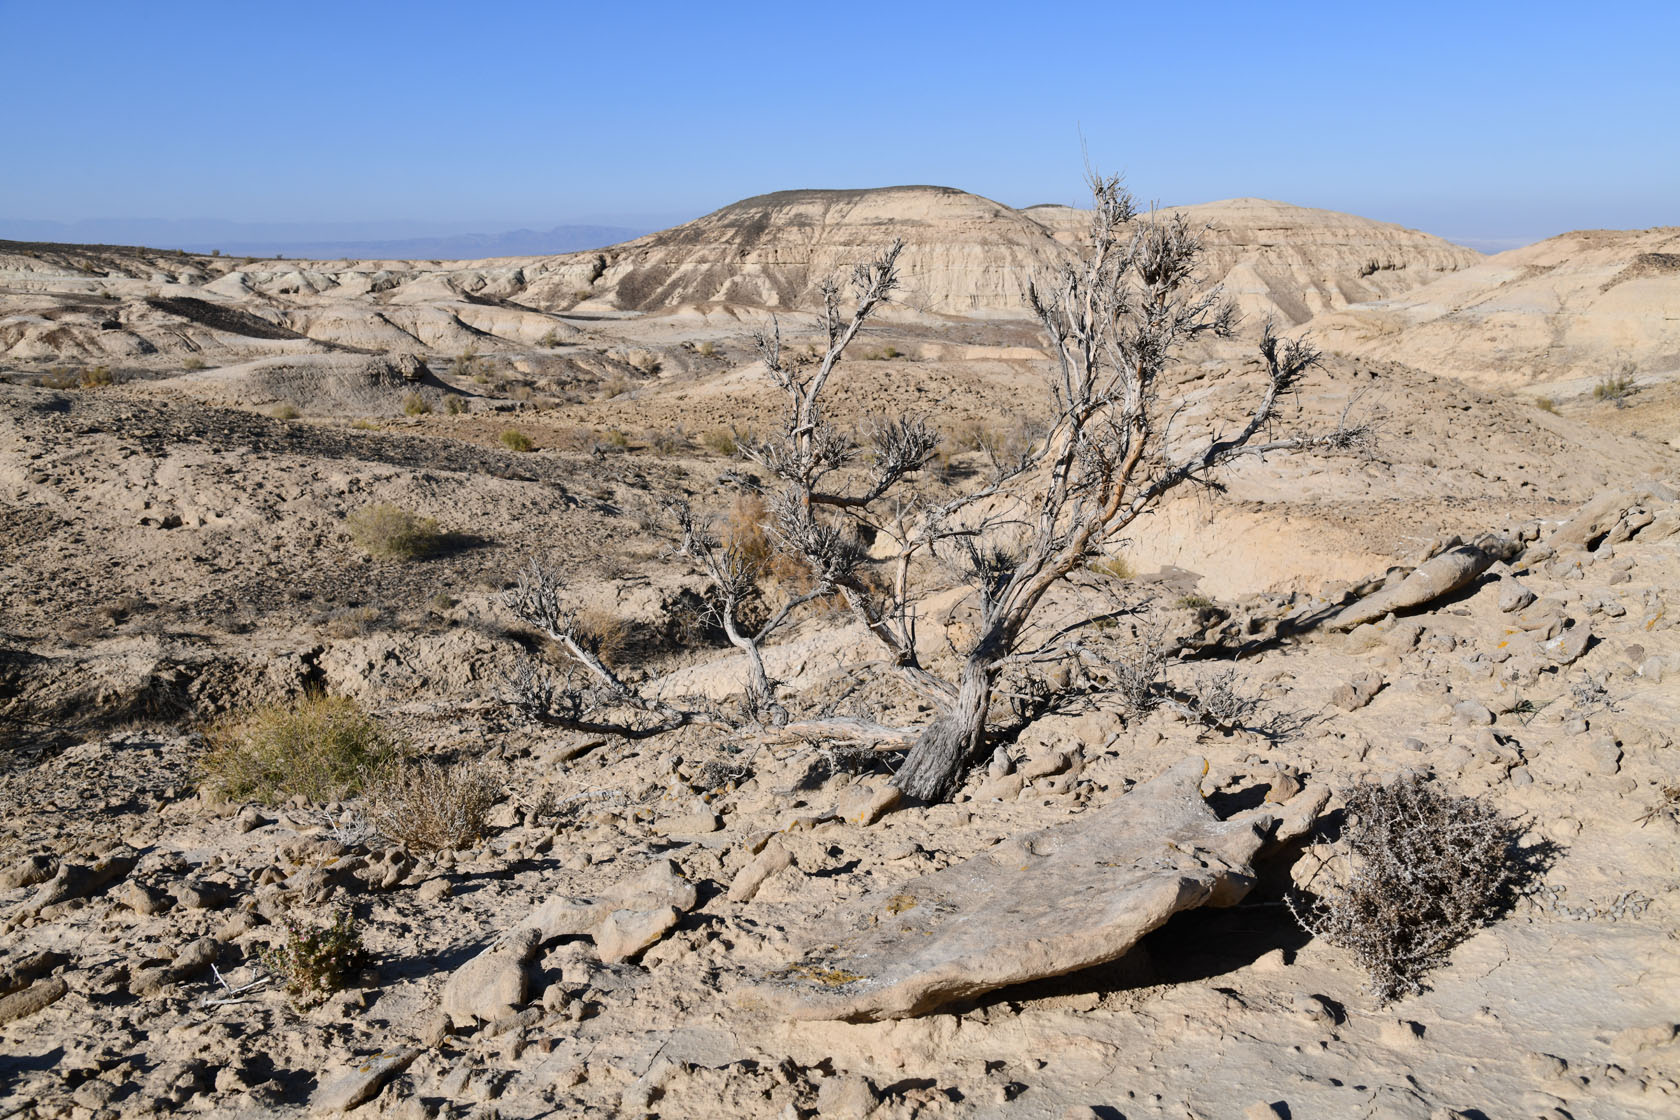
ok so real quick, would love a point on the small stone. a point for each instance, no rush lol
(434, 890)
(249, 820)
(846, 1096)
(1513, 596)
(38, 996)
(362, 1082)
(1053, 763)
(204, 894)
(625, 933)
(194, 958)
(747, 881)
(141, 899)
(1568, 646)
(1472, 713)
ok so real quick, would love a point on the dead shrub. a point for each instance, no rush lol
(321, 747)
(428, 806)
(1416, 872)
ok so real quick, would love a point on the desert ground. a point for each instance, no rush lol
(735, 917)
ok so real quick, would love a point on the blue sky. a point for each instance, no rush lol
(1475, 121)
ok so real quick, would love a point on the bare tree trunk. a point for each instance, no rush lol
(936, 760)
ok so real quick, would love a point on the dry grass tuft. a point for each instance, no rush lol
(515, 440)
(428, 806)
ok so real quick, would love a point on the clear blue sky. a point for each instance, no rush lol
(1472, 120)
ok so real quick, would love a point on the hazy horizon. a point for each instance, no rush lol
(1497, 124)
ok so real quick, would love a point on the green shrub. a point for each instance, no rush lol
(95, 377)
(285, 411)
(515, 440)
(1545, 404)
(454, 404)
(391, 533)
(416, 405)
(322, 747)
(312, 962)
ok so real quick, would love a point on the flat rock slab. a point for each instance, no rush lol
(1038, 905)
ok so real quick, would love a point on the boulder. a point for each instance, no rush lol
(1438, 576)
(494, 983)
(1038, 905)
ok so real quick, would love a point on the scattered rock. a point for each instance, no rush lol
(77, 881)
(1357, 691)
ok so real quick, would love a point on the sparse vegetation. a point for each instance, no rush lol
(388, 532)
(1618, 387)
(454, 404)
(720, 441)
(707, 349)
(193, 362)
(1115, 567)
(414, 404)
(615, 386)
(285, 411)
(515, 440)
(551, 339)
(1415, 872)
(616, 438)
(431, 806)
(1546, 404)
(313, 962)
(322, 747)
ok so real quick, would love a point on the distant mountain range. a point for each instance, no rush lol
(335, 241)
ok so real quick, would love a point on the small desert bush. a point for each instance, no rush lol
(1616, 388)
(59, 378)
(416, 405)
(96, 377)
(615, 438)
(1218, 702)
(454, 404)
(364, 425)
(285, 412)
(321, 747)
(551, 339)
(721, 441)
(614, 386)
(314, 962)
(1545, 404)
(707, 349)
(884, 354)
(193, 362)
(430, 806)
(602, 633)
(1115, 567)
(515, 440)
(391, 533)
(1416, 872)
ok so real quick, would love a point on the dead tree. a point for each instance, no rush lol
(1117, 319)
